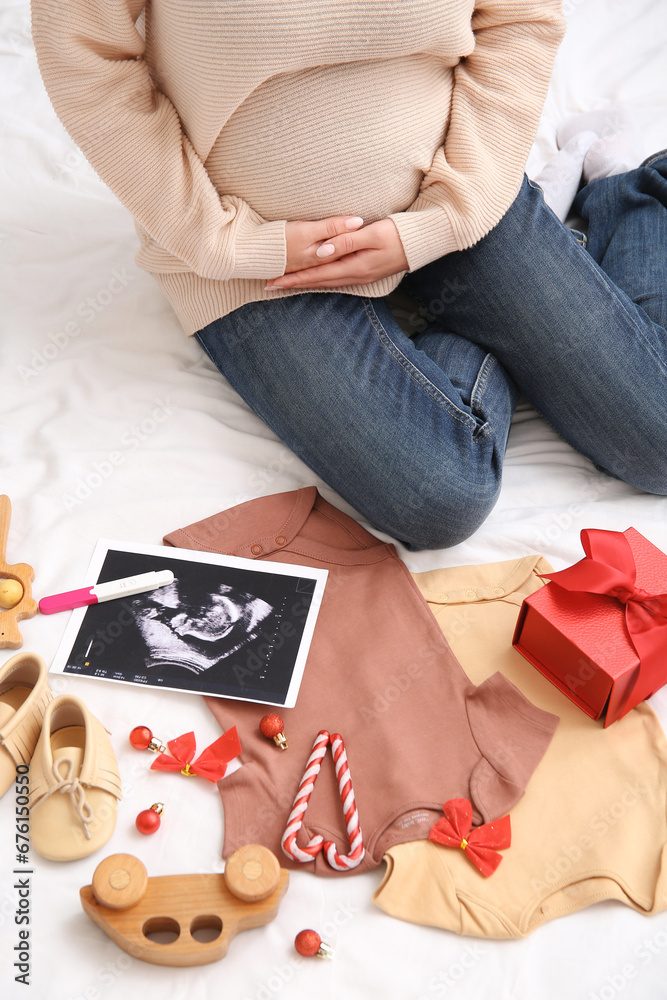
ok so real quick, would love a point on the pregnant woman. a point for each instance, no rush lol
(290, 163)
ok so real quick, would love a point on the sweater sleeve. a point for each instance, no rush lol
(91, 57)
(497, 99)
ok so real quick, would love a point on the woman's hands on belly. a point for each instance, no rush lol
(334, 252)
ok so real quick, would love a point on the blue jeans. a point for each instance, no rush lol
(412, 430)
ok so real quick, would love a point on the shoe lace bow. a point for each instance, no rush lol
(68, 783)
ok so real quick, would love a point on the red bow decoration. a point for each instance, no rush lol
(211, 763)
(609, 569)
(479, 845)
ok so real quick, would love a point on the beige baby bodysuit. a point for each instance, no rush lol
(592, 824)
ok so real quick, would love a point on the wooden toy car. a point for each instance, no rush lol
(200, 913)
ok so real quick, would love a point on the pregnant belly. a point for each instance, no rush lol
(349, 139)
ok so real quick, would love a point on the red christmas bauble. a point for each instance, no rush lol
(148, 820)
(140, 737)
(271, 725)
(307, 943)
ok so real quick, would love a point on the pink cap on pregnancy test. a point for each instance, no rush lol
(105, 591)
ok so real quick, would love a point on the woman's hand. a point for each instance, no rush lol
(352, 258)
(304, 239)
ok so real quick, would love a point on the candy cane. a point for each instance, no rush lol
(288, 842)
(344, 862)
(341, 862)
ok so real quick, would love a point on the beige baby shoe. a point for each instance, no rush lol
(24, 695)
(74, 783)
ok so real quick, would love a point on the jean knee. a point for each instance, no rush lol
(438, 515)
(645, 473)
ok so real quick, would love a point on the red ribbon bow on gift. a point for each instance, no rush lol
(479, 845)
(211, 763)
(609, 569)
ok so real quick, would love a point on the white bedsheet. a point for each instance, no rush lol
(115, 425)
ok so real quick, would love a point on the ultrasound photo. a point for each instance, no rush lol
(225, 626)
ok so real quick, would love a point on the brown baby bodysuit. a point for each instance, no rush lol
(417, 731)
(592, 824)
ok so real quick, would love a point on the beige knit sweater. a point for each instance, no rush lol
(216, 122)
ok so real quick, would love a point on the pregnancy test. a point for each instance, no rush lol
(105, 591)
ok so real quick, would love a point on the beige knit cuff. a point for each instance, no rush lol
(260, 248)
(426, 233)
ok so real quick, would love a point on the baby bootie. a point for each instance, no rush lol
(24, 695)
(74, 783)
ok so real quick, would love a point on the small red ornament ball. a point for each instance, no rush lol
(307, 943)
(140, 737)
(271, 725)
(148, 821)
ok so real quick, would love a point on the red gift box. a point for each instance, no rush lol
(598, 630)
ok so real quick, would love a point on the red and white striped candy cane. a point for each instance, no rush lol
(345, 862)
(288, 841)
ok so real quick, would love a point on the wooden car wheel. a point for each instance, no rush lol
(252, 873)
(119, 881)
